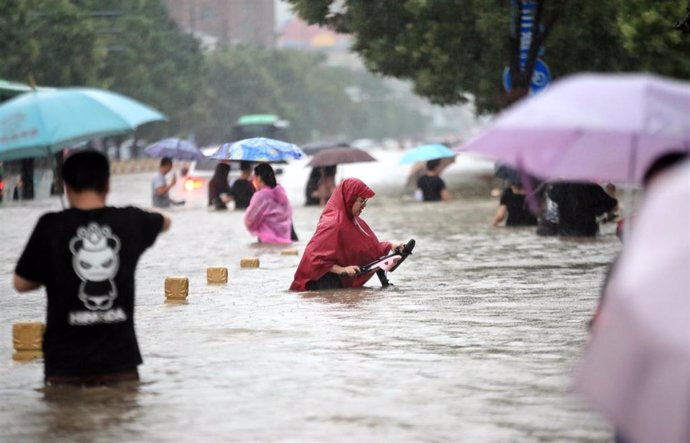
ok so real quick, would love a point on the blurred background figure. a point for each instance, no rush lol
(243, 188)
(579, 205)
(160, 188)
(513, 206)
(431, 187)
(326, 184)
(548, 221)
(310, 191)
(219, 191)
(612, 215)
(320, 185)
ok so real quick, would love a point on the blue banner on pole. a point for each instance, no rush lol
(526, 30)
(541, 76)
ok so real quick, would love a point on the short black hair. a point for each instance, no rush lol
(433, 164)
(245, 166)
(265, 171)
(87, 170)
(661, 163)
(165, 161)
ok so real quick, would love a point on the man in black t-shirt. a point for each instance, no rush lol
(86, 256)
(242, 188)
(513, 206)
(430, 185)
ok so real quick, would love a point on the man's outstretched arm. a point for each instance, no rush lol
(23, 285)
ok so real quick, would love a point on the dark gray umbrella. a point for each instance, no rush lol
(337, 156)
(316, 147)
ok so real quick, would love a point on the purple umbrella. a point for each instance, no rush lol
(174, 148)
(591, 126)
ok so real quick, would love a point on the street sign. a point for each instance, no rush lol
(540, 79)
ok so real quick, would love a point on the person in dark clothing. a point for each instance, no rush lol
(310, 192)
(431, 186)
(579, 204)
(326, 184)
(86, 257)
(548, 219)
(219, 192)
(242, 188)
(514, 206)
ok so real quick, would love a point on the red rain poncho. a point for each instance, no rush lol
(340, 239)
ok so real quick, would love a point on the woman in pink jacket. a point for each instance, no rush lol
(269, 215)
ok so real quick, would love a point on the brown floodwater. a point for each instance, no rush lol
(476, 340)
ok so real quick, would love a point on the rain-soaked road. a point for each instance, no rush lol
(475, 342)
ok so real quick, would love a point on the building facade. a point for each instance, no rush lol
(227, 22)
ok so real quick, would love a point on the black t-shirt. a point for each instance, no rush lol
(431, 186)
(86, 260)
(312, 186)
(242, 191)
(518, 212)
(215, 189)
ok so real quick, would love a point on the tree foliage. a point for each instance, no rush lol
(133, 47)
(150, 58)
(51, 42)
(300, 88)
(453, 48)
(128, 46)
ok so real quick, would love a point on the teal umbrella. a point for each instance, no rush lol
(425, 153)
(39, 123)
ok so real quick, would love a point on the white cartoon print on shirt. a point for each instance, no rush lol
(96, 261)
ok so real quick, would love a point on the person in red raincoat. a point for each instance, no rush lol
(342, 242)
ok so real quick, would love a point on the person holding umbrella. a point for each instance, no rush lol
(269, 215)
(431, 187)
(160, 197)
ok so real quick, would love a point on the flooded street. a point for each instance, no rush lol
(475, 342)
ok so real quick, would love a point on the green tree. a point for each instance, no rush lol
(650, 39)
(50, 41)
(453, 48)
(150, 59)
(235, 84)
(298, 87)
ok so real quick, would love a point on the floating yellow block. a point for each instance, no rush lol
(289, 252)
(217, 275)
(176, 289)
(249, 263)
(27, 339)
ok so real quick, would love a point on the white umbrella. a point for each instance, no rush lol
(636, 370)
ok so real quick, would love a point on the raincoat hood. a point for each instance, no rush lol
(277, 194)
(345, 195)
(340, 239)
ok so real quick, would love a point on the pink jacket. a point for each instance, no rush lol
(269, 215)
